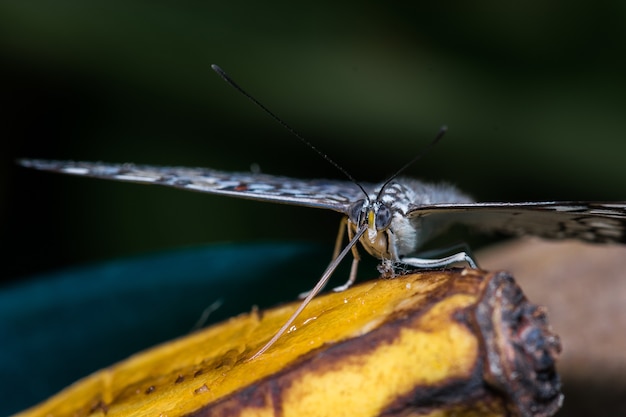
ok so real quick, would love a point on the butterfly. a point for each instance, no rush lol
(391, 220)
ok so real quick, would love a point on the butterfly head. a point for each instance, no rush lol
(375, 214)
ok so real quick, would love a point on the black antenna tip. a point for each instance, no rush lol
(218, 70)
(442, 131)
(230, 81)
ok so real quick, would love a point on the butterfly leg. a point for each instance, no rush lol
(441, 262)
(356, 257)
(343, 226)
(458, 247)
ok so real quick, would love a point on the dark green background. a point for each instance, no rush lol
(534, 94)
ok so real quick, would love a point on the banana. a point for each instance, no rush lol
(442, 343)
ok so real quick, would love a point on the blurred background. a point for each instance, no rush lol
(533, 93)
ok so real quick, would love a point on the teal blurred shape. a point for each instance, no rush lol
(59, 327)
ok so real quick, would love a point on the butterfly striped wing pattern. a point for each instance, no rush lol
(600, 222)
(596, 222)
(326, 194)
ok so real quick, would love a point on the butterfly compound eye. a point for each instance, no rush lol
(383, 217)
(356, 212)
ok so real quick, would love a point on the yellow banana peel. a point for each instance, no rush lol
(443, 343)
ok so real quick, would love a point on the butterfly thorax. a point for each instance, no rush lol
(394, 230)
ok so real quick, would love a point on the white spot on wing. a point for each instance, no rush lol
(134, 178)
(75, 171)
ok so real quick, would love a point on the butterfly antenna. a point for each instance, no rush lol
(440, 134)
(230, 81)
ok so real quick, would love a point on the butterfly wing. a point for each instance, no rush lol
(597, 222)
(327, 194)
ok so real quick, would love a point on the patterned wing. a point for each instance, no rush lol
(327, 194)
(597, 222)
